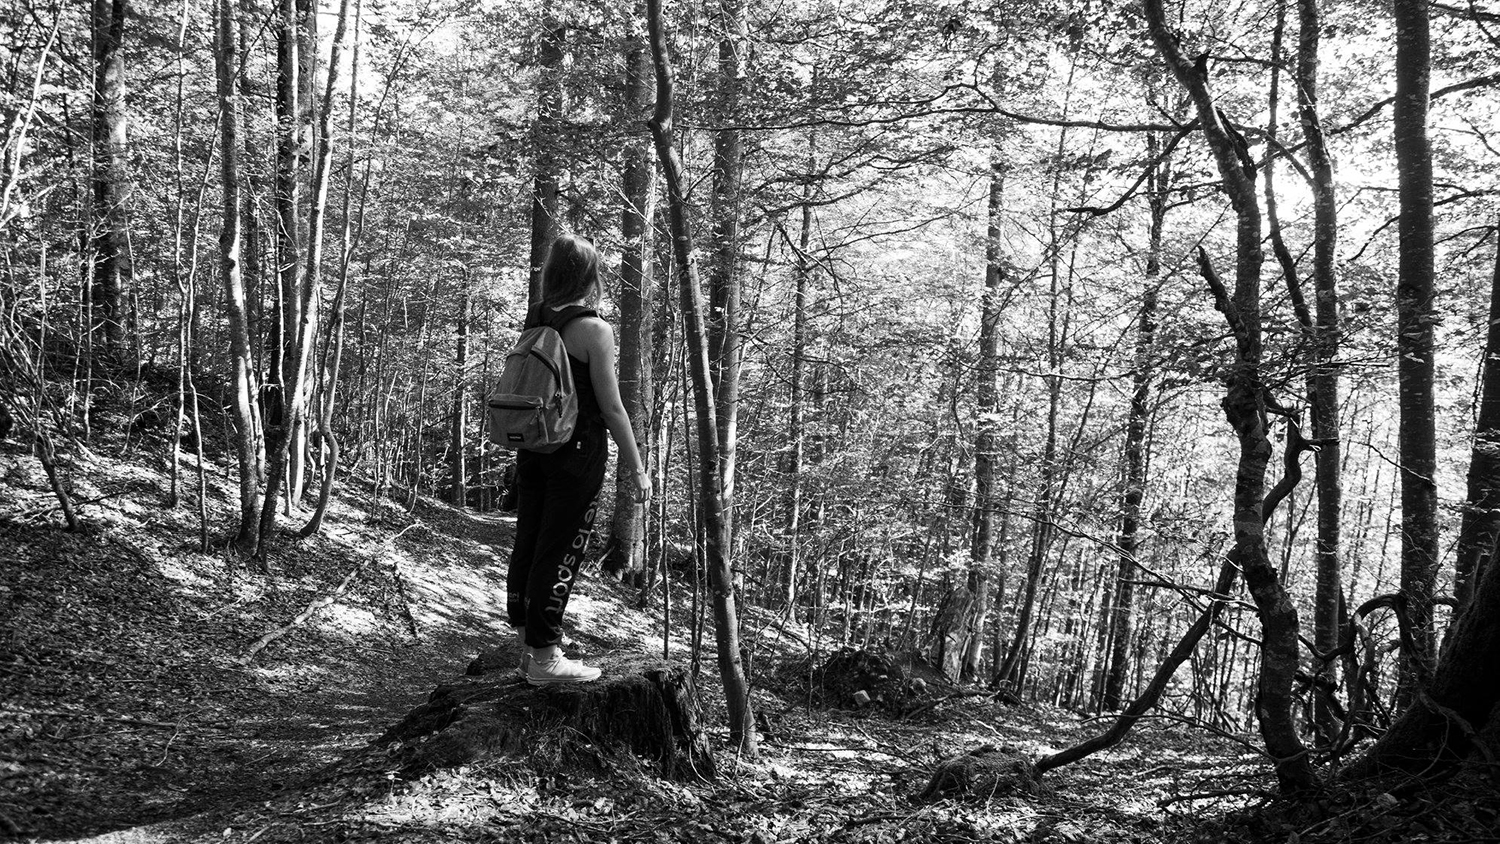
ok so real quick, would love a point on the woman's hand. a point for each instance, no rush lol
(642, 486)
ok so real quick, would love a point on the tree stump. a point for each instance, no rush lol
(640, 707)
(987, 772)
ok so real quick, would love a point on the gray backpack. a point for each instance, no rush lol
(533, 406)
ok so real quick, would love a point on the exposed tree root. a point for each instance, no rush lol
(987, 772)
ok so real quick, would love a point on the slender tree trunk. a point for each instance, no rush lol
(313, 147)
(723, 282)
(1245, 409)
(1481, 519)
(1325, 373)
(797, 422)
(248, 444)
(459, 491)
(1415, 346)
(185, 291)
(111, 178)
(627, 549)
(1122, 604)
(285, 403)
(710, 494)
(1012, 669)
(544, 129)
(987, 429)
(251, 156)
(334, 351)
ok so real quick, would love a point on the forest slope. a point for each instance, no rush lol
(130, 712)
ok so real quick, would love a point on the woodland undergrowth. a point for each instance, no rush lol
(144, 701)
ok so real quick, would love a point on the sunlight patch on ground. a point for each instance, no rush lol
(354, 621)
(446, 591)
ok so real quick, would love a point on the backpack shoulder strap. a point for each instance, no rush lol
(558, 319)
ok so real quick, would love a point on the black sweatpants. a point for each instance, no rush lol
(554, 519)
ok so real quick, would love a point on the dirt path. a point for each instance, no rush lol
(124, 699)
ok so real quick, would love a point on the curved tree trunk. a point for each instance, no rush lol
(711, 502)
(1245, 408)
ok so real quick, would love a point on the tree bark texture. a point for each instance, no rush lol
(109, 222)
(544, 129)
(1415, 346)
(644, 708)
(712, 505)
(1445, 720)
(724, 282)
(333, 352)
(1245, 409)
(1481, 517)
(1324, 379)
(987, 439)
(297, 319)
(627, 547)
(248, 444)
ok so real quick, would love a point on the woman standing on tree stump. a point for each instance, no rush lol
(555, 513)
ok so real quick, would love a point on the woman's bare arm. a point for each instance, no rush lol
(592, 339)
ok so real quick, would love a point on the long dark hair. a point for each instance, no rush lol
(571, 271)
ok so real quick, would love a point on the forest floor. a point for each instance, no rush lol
(134, 711)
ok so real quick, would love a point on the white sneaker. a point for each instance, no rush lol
(559, 669)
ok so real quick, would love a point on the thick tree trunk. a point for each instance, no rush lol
(1245, 409)
(712, 505)
(248, 444)
(626, 554)
(111, 178)
(1481, 519)
(544, 129)
(1446, 719)
(1415, 346)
